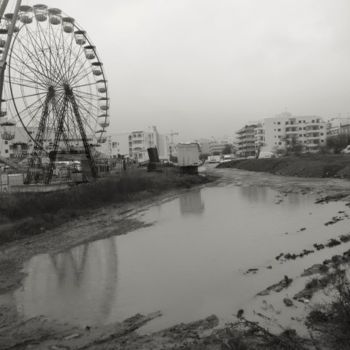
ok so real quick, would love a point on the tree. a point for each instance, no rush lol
(293, 146)
(227, 149)
(337, 142)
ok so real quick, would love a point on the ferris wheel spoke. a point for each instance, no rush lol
(69, 57)
(95, 96)
(58, 69)
(34, 115)
(47, 60)
(83, 85)
(37, 74)
(64, 56)
(21, 73)
(22, 80)
(88, 102)
(28, 86)
(26, 75)
(66, 75)
(81, 70)
(79, 79)
(36, 47)
(28, 107)
(85, 119)
(58, 61)
(31, 56)
(31, 95)
(75, 61)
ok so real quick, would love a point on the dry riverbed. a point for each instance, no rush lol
(41, 333)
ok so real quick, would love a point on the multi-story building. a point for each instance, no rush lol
(217, 147)
(214, 146)
(139, 141)
(345, 129)
(335, 125)
(246, 140)
(116, 145)
(285, 130)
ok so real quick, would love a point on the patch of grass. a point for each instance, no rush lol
(33, 213)
(332, 321)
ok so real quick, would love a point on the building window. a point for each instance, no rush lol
(279, 129)
(278, 123)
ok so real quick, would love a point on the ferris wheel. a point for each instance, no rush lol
(54, 84)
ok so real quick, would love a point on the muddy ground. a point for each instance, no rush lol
(40, 333)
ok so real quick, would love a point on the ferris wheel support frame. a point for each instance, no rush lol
(35, 159)
(87, 147)
(56, 141)
(69, 98)
(11, 28)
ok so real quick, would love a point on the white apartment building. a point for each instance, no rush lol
(284, 130)
(335, 125)
(134, 144)
(246, 140)
(116, 145)
(214, 146)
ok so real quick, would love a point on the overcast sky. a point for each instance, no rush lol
(206, 67)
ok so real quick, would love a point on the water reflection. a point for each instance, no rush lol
(173, 264)
(254, 193)
(79, 284)
(192, 203)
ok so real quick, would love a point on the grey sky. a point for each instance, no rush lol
(205, 67)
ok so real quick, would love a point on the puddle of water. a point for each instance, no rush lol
(189, 264)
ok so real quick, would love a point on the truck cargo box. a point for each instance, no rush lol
(188, 154)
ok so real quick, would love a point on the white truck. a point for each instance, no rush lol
(188, 157)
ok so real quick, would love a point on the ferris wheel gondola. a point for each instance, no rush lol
(55, 82)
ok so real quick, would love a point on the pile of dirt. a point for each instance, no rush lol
(335, 166)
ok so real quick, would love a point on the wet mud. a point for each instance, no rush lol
(208, 333)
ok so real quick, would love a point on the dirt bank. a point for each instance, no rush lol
(26, 215)
(322, 166)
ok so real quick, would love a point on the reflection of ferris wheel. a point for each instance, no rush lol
(55, 83)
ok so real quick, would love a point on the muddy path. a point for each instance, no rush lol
(16, 333)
